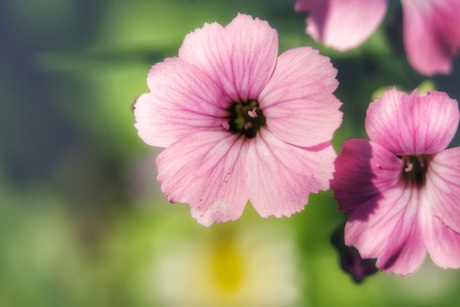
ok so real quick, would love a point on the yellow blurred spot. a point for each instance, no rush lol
(227, 265)
(426, 86)
(423, 87)
(379, 92)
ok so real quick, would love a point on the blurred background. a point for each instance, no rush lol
(82, 218)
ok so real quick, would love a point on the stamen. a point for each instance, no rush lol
(253, 113)
(226, 125)
(409, 167)
(247, 126)
(415, 168)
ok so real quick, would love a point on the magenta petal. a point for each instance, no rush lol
(280, 176)
(431, 34)
(298, 102)
(363, 170)
(240, 58)
(205, 170)
(442, 242)
(409, 124)
(182, 99)
(342, 24)
(410, 256)
(443, 187)
(387, 229)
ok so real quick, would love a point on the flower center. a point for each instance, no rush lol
(415, 168)
(246, 118)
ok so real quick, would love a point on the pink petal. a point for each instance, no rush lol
(363, 170)
(410, 256)
(431, 34)
(182, 99)
(342, 24)
(442, 242)
(280, 176)
(240, 58)
(443, 186)
(298, 102)
(387, 228)
(205, 170)
(409, 124)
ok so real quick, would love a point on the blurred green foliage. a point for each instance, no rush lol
(82, 219)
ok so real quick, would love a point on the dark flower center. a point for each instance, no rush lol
(415, 168)
(246, 118)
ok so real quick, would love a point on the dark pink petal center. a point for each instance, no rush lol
(245, 118)
(414, 169)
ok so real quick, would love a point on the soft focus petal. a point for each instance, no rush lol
(431, 34)
(342, 24)
(442, 242)
(280, 177)
(410, 256)
(350, 259)
(409, 124)
(240, 58)
(182, 99)
(387, 228)
(298, 102)
(363, 170)
(443, 187)
(205, 171)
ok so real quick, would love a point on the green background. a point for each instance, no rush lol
(82, 219)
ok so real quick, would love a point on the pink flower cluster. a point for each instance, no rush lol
(240, 122)
(431, 28)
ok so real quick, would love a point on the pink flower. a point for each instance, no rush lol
(431, 28)
(342, 24)
(401, 187)
(240, 123)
